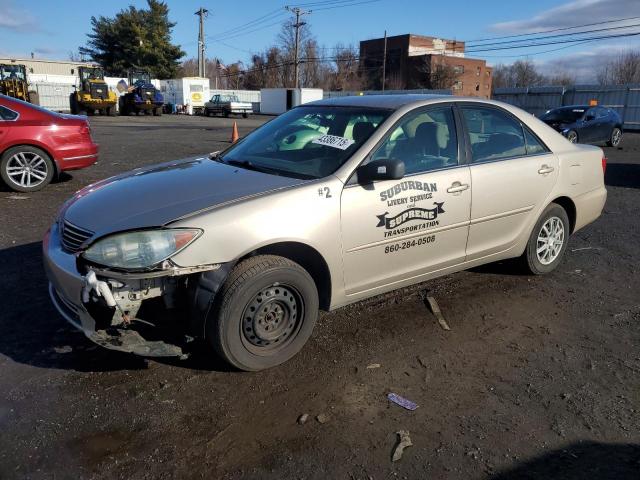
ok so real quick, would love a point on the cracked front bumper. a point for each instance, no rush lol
(65, 289)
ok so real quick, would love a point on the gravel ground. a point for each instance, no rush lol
(537, 378)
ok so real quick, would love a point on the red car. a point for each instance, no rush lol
(37, 144)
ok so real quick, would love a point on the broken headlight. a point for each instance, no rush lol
(140, 250)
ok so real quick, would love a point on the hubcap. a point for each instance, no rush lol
(615, 139)
(27, 169)
(573, 137)
(272, 317)
(550, 240)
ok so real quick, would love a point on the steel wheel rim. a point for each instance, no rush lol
(272, 318)
(573, 137)
(27, 169)
(550, 240)
(617, 135)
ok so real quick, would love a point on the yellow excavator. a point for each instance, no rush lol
(93, 94)
(13, 81)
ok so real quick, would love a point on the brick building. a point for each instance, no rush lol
(416, 61)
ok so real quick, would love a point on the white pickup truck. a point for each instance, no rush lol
(227, 105)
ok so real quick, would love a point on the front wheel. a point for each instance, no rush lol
(572, 136)
(548, 241)
(26, 168)
(615, 138)
(265, 313)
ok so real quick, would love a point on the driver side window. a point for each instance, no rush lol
(424, 141)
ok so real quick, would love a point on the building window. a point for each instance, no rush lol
(488, 73)
(477, 87)
(478, 72)
(72, 71)
(457, 85)
(458, 69)
(31, 70)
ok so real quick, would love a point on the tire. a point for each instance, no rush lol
(615, 138)
(250, 338)
(111, 111)
(73, 104)
(553, 218)
(157, 112)
(208, 113)
(39, 176)
(245, 114)
(572, 136)
(226, 113)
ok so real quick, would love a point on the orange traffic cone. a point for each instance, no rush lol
(234, 133)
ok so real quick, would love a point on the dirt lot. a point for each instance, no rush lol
(538, 377)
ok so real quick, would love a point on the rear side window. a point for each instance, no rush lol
(493, 134)
(6, 114)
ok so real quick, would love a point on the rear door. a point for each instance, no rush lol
(512, 174)
(394, 230)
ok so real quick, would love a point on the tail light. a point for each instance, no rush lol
(604, 164)
(85, 129)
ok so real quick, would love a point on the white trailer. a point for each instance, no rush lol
(275, 101)
(189, 91)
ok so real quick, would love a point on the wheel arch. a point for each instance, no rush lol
(569, 207)
(38, 146)
(308, 258)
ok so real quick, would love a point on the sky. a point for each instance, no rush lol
(54, 28)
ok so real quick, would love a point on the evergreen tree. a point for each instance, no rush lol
(135, 38)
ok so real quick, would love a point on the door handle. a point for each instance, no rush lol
(544, 169)
(457, 187)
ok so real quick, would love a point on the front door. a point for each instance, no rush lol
(394, 230)
(512, 174)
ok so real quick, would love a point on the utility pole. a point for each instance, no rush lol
(296, 63)
(202, 13)
(384, 61)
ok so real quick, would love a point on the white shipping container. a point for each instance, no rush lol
(193, 91)
(274, 101)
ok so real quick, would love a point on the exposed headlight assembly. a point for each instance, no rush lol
(140, 250)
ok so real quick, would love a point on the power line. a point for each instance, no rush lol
(551, 31)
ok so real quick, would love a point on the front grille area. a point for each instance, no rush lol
(99, 90)
(73, 237)
(147, 93)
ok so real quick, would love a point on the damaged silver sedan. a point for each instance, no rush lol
(328, 204)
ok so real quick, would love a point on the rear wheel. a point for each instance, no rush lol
(615, 138)
(548, 241)
(26, 168)
(245, 114)
(157, 111)
(572, 136)
(265, 313)
(73, 104)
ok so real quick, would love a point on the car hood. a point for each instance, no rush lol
(557, 125)
(157, 195)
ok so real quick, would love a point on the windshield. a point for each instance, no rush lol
(564, 115)
(12, 72)
(306, 142)
(140, 77)
(91, 74)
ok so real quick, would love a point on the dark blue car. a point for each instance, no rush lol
(586, 124)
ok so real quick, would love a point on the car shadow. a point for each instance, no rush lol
(625, 175)
(580, 461)
(34, 333)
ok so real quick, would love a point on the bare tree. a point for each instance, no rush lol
(563, 78)
(432, 72)
(623, 69)
(345, 74)
(521, 73)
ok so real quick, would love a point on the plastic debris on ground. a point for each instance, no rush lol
(403, 402)
(404, 441)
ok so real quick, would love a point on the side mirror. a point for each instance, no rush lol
(383, 169)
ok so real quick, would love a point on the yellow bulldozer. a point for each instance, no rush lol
(93, 94)
(13, 81)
